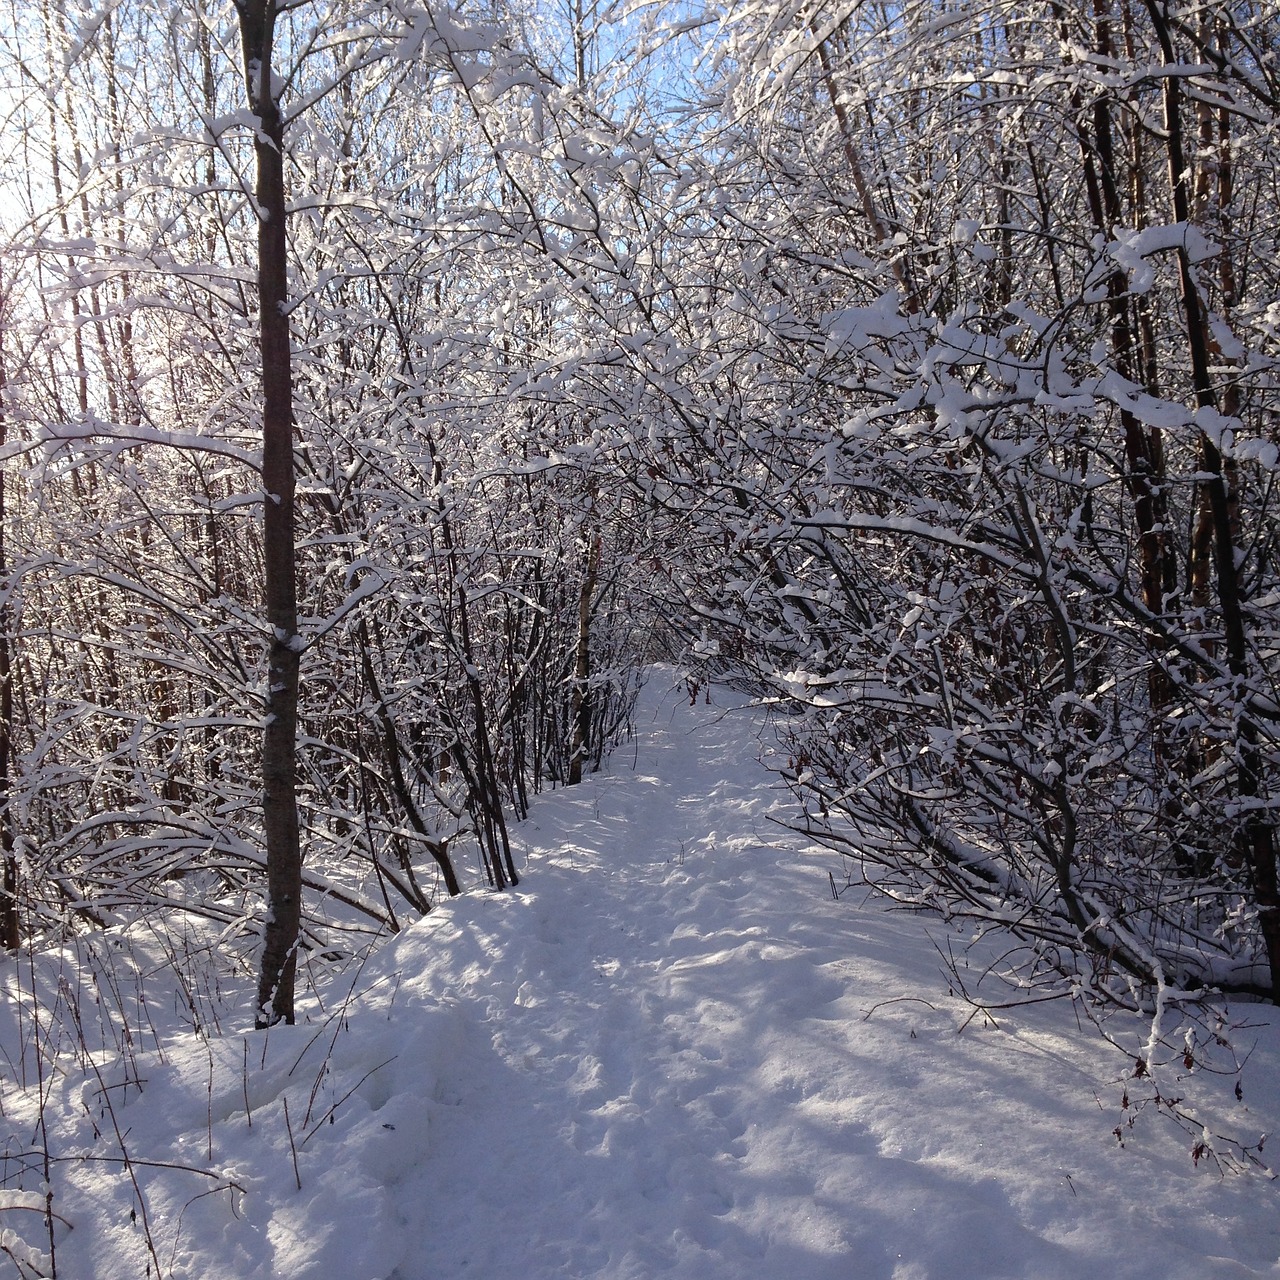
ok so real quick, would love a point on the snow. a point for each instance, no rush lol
(670, 1052)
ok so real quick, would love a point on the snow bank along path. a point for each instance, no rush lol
(670, 1052)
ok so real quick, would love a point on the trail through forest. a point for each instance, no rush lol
(670, 1052)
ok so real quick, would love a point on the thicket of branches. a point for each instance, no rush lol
(467, 630)
(990, 442)
(911, 364)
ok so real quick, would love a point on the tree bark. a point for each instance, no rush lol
(1145, 477)
(279, 744)
(10, 932)
(910, 296)
(1255, 838)
(580, 703)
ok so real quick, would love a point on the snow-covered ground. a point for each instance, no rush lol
(670, 1052)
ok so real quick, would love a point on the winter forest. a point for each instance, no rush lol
(386, 386)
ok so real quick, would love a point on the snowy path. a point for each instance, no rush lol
(669, 1053)
(670, 1070)
(632, 1027)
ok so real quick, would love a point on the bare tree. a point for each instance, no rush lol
(279, 746)
(10, 933)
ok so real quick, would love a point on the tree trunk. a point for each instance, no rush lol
(1255, 838)
(279, 744)
(910, 296)
(1145, 478)
(580, 703)
(10, 934)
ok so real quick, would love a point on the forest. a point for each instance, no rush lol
(450, 454)
(385, 385)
